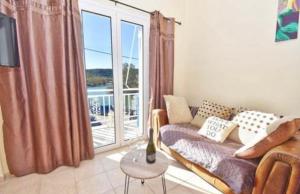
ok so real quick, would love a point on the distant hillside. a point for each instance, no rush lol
(100, 72)
(98, 77)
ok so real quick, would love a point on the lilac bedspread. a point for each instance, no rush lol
(217, 158)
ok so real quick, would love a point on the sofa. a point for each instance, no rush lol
(277, 172)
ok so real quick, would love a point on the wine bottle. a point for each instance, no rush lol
(150, 151)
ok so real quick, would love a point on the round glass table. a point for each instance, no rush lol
(134, 165)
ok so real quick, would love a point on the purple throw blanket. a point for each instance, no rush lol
(215, 157)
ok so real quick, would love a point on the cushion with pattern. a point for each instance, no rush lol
(250, 124)
(277, 133)
(208, 109)
(217, 129)
(238, 110)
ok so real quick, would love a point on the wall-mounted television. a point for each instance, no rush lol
(9, 55)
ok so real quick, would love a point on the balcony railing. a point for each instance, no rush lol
(102, 110)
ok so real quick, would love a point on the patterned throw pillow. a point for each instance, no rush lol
(208, 109)
(277, 133)
(250, 124)
(238, 110)
(217, 129)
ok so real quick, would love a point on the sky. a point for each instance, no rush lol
(97, 41)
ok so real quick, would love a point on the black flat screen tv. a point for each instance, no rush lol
(9, 55)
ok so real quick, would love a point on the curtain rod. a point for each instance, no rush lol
(133, 7)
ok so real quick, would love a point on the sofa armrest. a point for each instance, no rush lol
(159, 119)
(279, 170)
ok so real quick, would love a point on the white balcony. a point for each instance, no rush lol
(101, 109)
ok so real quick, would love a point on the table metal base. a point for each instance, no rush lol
(126, 188)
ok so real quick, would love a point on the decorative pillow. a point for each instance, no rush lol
(238, 110)
(177, 109)
(208, 109)
(250, 124)
(278, 132)
(217, 129)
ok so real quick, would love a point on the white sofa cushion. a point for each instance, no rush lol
(217, 129)
(177, 109)
(251, 124)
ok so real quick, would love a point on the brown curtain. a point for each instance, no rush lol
(44, 105)
(161, 59)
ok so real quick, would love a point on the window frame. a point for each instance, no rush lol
(117, 15)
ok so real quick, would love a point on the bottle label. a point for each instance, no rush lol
(151, 157)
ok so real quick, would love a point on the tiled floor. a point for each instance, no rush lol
(102, 175)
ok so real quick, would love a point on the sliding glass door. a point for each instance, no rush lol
(99, 76)
(116, 62)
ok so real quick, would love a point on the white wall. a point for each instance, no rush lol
(231, 57)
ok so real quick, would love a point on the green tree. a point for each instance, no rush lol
(133, 76)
